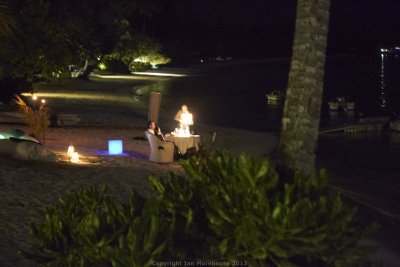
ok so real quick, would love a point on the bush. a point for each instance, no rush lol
(226, 208)
(114, 65)
(139, 66)
(237, 208)
(89, 228)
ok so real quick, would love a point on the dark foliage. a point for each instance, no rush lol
(227, 208)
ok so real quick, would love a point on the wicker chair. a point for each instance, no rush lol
(161, 151)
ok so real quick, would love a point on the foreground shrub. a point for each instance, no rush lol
(226, 208)
(237, 208)
(89, 228)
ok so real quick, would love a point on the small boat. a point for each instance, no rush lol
(340, 104)
(275, 96)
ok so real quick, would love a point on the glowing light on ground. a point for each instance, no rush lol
(117, 77)
(115, 147)
(1, 136)
(133, 77)
(95, 96)
(159, 74)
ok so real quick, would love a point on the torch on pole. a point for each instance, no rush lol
(41, 113)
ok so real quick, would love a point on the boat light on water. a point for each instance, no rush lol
(275, 96)
(340, 103)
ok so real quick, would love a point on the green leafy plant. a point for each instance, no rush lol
(38, 119)
(237, 208)
(89, 228)
(225, 208)
(155, 59)
(139, 66)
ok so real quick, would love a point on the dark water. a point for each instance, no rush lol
(233, 95)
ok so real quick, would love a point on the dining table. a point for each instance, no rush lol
(184, 142)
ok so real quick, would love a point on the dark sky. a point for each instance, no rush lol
(264, 28)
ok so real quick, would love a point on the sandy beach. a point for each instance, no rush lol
(28, 186)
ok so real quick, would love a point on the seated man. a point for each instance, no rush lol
(153, 128)
(161, 151)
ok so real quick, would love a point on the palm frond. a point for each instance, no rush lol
(38, 120)
(7, 21)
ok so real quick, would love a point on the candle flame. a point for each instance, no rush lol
(70, 150)
(75, 157)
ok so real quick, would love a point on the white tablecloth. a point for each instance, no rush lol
(184, 143)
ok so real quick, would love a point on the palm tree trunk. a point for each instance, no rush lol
(300, 122)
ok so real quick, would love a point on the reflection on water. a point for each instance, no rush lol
(274, 104)
(341, 117)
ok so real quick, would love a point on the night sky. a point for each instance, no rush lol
(264, 28)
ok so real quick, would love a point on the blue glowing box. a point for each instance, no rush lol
(115, 147)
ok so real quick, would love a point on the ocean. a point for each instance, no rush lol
(233, 94)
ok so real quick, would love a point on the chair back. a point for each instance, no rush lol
(153, 141)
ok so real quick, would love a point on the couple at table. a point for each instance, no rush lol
(154, 130)
(183, 116)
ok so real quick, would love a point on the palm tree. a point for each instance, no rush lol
(144, 9)
(301, 117)
(7, 22)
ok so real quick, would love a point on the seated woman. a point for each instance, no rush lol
(185, 119)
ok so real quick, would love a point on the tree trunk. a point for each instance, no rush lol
(300, 122)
